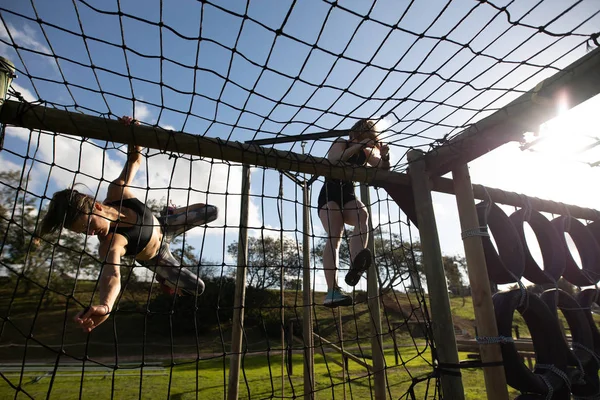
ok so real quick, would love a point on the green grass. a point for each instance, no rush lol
(33, 320)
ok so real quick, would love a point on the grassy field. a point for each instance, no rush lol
(207, 379)
(35, 332)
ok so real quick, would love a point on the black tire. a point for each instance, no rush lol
(508, 263)
(549, 241)
(586, 298)
(544, 336)
(583, 383)
(588, 248)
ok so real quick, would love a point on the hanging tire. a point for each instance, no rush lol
(586, 298)
(582, 365)
(544, 337)
(549, 241)
(508, 263)
(588, 248)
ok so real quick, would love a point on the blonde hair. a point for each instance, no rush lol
(364, 129)
(65, 207)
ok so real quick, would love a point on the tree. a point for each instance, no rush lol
(398, 261)
(266, 257)
(452, 268)
(45, 263)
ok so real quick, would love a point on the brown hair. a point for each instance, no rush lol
(363, 129)
(64, 209)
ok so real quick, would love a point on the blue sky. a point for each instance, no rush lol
(328, 67)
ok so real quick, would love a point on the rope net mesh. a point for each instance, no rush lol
(242, 72)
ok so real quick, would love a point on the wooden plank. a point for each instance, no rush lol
(347, 354)
(495, 379)
(441, 317)
(87, 126)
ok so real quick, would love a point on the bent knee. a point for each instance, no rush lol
(201, 286)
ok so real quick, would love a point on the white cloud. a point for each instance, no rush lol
(24, 37)
(26, 93)
(142, 112)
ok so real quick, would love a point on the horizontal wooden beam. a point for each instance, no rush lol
(576, 83)
(335, 133)
(71, 123)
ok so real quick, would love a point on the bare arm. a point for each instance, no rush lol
(339, 152)
(109, 288)
(379, 157)
(119, 188)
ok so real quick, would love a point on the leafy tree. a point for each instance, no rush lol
(455, 268)
(398, 261)
(266, 256)
(45, 263)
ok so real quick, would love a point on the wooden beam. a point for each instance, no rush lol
(300, 138)
(343, 352)
(576, 83)
(444, 185)
(439, 303)
(71, 123)
(494, 377)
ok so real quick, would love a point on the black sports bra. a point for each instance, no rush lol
(138, 236)
(359, 158)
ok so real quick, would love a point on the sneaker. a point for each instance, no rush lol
(180, 279)
(336, 298)
(175, 224)
(361, 263)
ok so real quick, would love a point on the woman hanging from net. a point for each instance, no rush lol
(126, 227)
(338, 205)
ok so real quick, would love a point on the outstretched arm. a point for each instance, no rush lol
(119, 188)
(109, 288)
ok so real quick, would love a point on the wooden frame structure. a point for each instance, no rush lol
(581, 80)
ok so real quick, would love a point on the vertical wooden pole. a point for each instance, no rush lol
(341, 337)
(485, 319)
(290, 347)
(240, 289)
(441, 318)
(309, 358)
(374, 308)
(282, 286)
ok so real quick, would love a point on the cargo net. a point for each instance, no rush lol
(242, 72)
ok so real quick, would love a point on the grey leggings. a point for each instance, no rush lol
(167, 267)
(174, 225)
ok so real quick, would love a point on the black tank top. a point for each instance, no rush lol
(359, 158)
(138, 236)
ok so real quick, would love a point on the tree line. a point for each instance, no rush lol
(51, 262)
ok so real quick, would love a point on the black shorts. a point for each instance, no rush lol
(340, 192)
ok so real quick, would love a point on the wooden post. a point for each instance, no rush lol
(282, 286)
(344, 358)
(441, 318)
(309, 356)
(485, 319)
(240, 289)
(374, 309)
(290, 345)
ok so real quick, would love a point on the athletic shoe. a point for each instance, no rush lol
(361, 263)
(175, 224)
(180, 280)
(336, 298)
